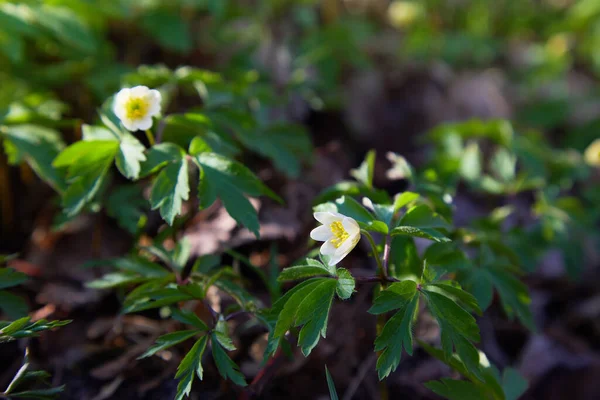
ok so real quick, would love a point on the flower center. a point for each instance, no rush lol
(339, 234)
(136, 108)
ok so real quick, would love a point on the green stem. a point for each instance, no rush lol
(150, 137)
(375, 252)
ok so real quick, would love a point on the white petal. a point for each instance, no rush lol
(327, 217)
(344, 250)
(119, 102)
(144, 123)
(139, 91)
(154, 98)
(351, 226)
(321, 233)
(129, 124)
(328, 249)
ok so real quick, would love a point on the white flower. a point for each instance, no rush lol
(136, 106)
(592, 153)
(340, 234)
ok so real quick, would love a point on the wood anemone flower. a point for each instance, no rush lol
(339, 232)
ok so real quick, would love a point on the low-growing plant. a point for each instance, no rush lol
(26, 383)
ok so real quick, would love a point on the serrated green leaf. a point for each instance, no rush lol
(313, 314)
(514, 294)
(397, 332)
(456, 294)
(160, 155)
(364, 173)
(154, 299)
(424, 233)
(190, 365)
(168, 340)
(87, 164)
(227, 368)
(36, 145)
(309, 306)
(130, 156)
(170, 189)
(189, 318)
(345, 284)
(303, 271)
(231, 182)
(458, 330)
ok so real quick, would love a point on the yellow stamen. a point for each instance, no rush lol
(339, 233)
(136, 108)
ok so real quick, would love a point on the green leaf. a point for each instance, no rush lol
(384, 213)
(470, 163)
(130, 156)
(456, 390)
(190, 365)
(423, 217)
(314, 268)
(160, 155)
(364, 173)
(14, 306)
(345, 284)
(458, 329)
(404, 199)
(169, 30)
(115, 279)
(181, 129)
(188, 317)
(23, 328)
(198, 145)
(36, 145)
(170, 189)
(154, 299)
(397, 332)
(514, 294)
(308, 306)
(351, 208)
(430, 234)
(504, 165)
(127, 205)
(87, 164)
(9, 278)
(231, 182)
(286, 144)
(513, 384)
(168, 340)
(404, 258)
(330, 385)
(227, 368)
(456, 294)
